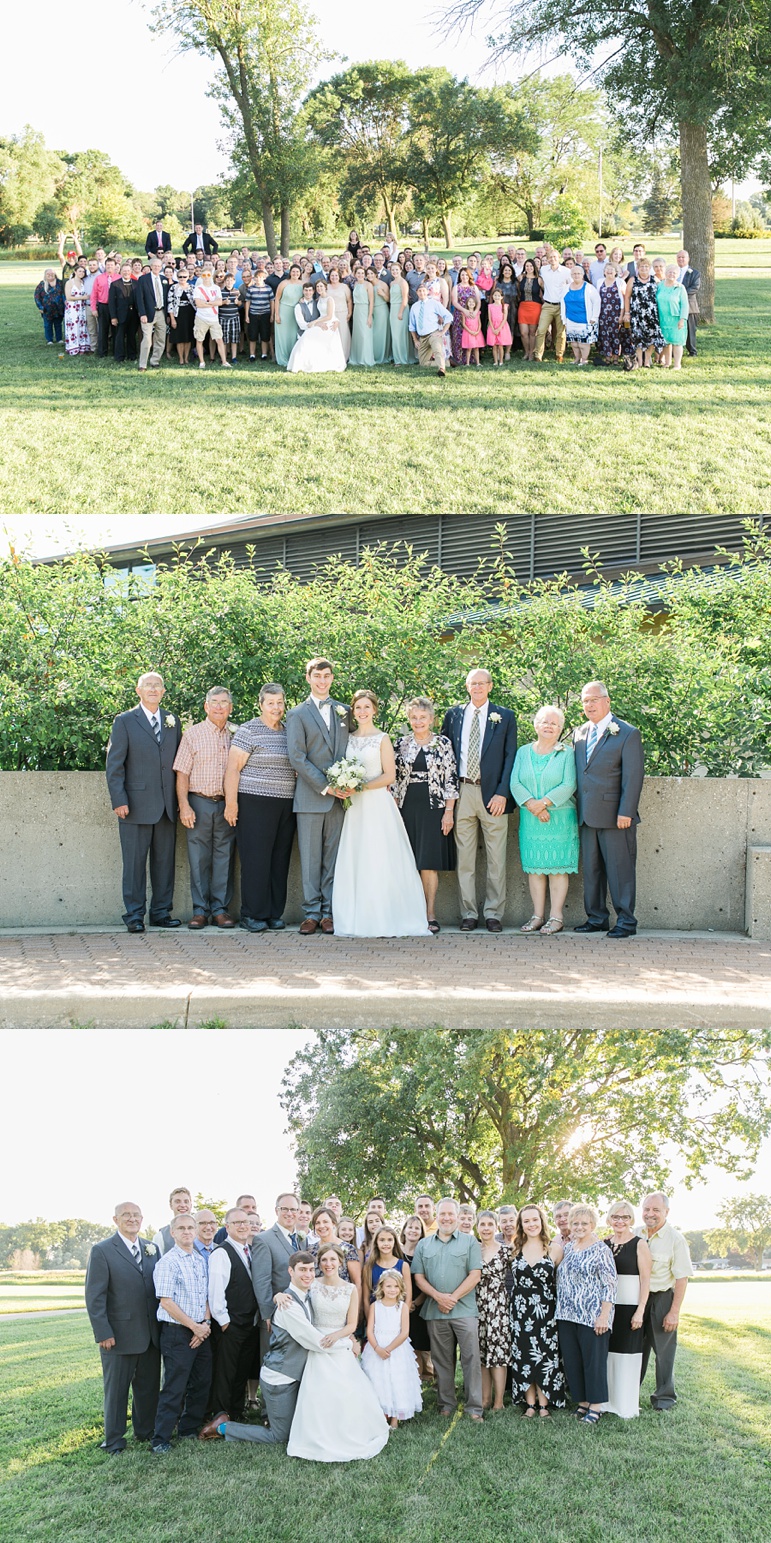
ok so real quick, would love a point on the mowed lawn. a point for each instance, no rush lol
(84, 436)
(698, 1473)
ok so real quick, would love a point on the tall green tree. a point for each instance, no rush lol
(698, 68)
(29, 177)
(496, 1114)
(362, 116)
(744, 1227)
(559, 158)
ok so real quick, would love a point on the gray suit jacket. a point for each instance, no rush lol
(140, 772)
(312, 748)
(271, 1253)
(612, 782)
(121, 1300)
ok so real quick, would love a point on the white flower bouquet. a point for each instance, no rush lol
(347, 776)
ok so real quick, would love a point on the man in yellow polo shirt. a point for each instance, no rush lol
(670, 1269)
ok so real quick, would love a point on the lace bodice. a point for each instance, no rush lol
(366, 748)
(330, 1305)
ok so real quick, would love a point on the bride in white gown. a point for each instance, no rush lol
(319, 347)
(338, 1418)
(377, 890)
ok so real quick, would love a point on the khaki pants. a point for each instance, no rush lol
(444, 1334)
(550, 313)
(153, 335)
(471, 816)
(92, 323)
(431, 350)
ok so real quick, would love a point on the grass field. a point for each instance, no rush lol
(84, 436)
(698, 1473)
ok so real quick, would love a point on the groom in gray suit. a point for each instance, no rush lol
(316, 736)
(293, 1336)
(142, 786)
(609, 776)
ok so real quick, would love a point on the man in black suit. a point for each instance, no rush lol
(484, 738)
(152, 299)
(609, 775)
(690, 278)
(199, 240)
(140, 778)
(122, 1306)
(158, 241)
(123, 315)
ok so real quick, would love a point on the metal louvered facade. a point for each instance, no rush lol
(538, 545)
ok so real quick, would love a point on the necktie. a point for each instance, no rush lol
(248, 1253)
(295, 1241)
(158, 292)
(157, 728)
(472, 759)
(137, 1255)
(420, 318)
(591, 741)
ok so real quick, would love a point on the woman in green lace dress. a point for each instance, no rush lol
(543, 782)
(289, 292)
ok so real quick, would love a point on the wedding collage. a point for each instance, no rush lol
(345, 719)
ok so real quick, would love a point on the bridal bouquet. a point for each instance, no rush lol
(347, 776)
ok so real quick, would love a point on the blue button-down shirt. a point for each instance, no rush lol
(185, 1279)
(427, 316)
(205, 1250)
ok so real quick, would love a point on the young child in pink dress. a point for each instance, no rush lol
(498, 329)
(472, 337)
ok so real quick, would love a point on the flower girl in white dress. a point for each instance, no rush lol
(388, 1357)
(377, 889)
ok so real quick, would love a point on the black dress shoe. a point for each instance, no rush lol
(493, 925)
(591, 927)
(166, 921)
(277, 925)
(622, 932)
(135, 926)
(250, 925)
(469, 924)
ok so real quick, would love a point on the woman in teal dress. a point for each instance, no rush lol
(381, 325)
(400, 315)
(288, 295)
(672, 304)
(543, 782)
(361, 333)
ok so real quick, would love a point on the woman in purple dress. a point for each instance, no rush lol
(461, 294)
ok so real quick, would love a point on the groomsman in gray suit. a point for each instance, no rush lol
(609, 776)
(316, 736)
(271, 1252)
(122, 1306)
(140, 778)
(293, 1336)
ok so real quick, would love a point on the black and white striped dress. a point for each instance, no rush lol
(626, 1344)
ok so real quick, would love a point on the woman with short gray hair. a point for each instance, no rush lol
(586, 1294)
(543, 782)
(426, 790)
(259, 802)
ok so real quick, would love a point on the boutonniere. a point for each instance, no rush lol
(342, 712)
(169, 720)
(232, 728)
(613, 728)
(495, 717)
(150, 1251)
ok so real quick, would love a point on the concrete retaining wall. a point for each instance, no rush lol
(61, 858)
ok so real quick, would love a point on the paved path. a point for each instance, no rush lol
(100, 979)
(46, 1312)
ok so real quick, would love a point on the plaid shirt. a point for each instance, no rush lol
(184, 1278)
(203, 754)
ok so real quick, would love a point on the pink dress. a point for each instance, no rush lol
(472, 336)
(498, 330)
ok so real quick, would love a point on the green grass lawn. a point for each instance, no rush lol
(700, 1472)
(84, 436)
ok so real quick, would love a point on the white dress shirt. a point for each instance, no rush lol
(555, 283)
(219, 1275)
(131, 1244)
(302, 1330)
(603, 724)
(151, 717)
(466, 730)
(326, 713)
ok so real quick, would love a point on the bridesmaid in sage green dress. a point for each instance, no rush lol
(361, 333)
(543, 782)
(381, 325)
(288, 295)
(400, 315)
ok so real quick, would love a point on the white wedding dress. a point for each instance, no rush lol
(377, 890)
(337, 1418)
(318, 350)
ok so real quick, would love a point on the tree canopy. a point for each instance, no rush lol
(744, 1227)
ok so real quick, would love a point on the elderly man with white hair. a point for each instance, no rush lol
(484, 740)
(670, 1270)
(447, 1268)
(200, 765)
(609, 776)
(140, 780)
(543, 782)
(690, 278)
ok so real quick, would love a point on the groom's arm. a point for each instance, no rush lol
(293, 1319)
(295, 749)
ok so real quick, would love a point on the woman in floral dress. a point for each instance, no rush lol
(537, 1378)
(493, 1308)
(642, 313)
(461, 294)
(76, 339)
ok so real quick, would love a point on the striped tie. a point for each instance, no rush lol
(472, 759)
(591, 742)
(157, 728)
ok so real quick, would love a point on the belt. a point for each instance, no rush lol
(214, 798)
(472, 782)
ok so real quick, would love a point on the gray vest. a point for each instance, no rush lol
(284, 1353)
(167, 1239)
(310, 312)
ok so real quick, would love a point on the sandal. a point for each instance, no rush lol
(544, 1412)
(529, 1411)
(581, 1411)
(592, 1417)
(534, 925)
(553, 925)
(433, 925)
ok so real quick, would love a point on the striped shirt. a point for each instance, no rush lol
(268, 772)
(184, 1278)
(260, 299)
(231, 303)
(203, 755)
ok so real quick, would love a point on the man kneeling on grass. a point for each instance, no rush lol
(429, 322)
(208, 298)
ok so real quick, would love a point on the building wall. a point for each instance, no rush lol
(61, 859)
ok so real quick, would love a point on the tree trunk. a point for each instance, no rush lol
(426, 233)
(447, 226)
(284, 230)
(389, 214)
(698, 231)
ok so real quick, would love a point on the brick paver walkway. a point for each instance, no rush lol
(99, 979)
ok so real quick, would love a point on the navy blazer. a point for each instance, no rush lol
(612, 782)
(144, 295)
(499, 749)
(120, 1298)
(140, 772)
(190, 243)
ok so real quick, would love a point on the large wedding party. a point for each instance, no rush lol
(320, 1334)
(319, 313)
(376, 821)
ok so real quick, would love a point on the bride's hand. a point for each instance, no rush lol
(282, 1299)
(329, 1339)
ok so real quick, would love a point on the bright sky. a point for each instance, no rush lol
(95, 1117)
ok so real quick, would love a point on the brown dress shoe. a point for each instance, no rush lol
(209, 1432)
(197, 921)
(309, 926)
(327, 925)
(223, 920)
(469, 924)
(493, 925)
